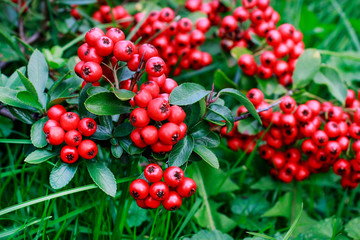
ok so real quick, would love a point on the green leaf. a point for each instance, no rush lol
(22, 114)
(330, 77)
(29, 99)
(116, 151)
(136, 216)
(37, 134)
(243, 100)
(222, 81)
(237, 52)
(181, 152)
(307, 66)
(195, 112)
(95, 90)
(124, 129)
(38, 71)
(292, 228)
(77, 2)
(203, 136)
(283, 207)
(261, 235)
(102, 176)
(8, 96)
(216, 111)
(352, 228)
(210, 235)
(102, 133)
(39, 156)
(187, 93)
(207, 155)
(249, 126)
(6, 126)
(14, 81)
(57, 83)
(66, 88)
(28, 85)
(107, 122)
(125, 74)
(82, 98)
(123, 94)
(62, 173)
(271, 86)
(106, 103)
(129, 146)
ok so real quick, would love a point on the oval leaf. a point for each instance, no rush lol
(223, 112)
(181, 152)
(37, 134)
(123, 94)
(106, 103)
(116, 151)
(39, 156)
(307, 66)
(102, 176)
(38, 71)
(102, 133)
(187, 93)
(62, 174)
(207, 155)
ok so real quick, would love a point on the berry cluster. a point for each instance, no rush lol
(213, 9)
(105, 15)
(308, 138)
(176, 41)
(67, 126)
(169, 193)
(153, 109)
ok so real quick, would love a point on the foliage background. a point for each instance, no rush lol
(240, 197)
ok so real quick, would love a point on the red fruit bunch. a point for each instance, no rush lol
(211, 8)
(104, 14)
(157, 124)
(176, 40)
(169, 193)
(307, 139)
(67, 126)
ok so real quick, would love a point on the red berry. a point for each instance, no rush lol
(303, 113)
(183, 129)
(69, 121)
(302, 173)
(160, 147)
(139, 189)
(278, 160)
(141, 203)
(173, 176)
(281, 50)
(153, 173)
(343, 142)
(184, 25)
(134, 62)
(126, 85)
(335, 114)
(78, 68)
(287, 104)
(281, 68)
(159, 80)
(333, 149)
(177, 115)
(152, 87)
(142, 98)
(55, 135)
(268, 59)
(55, 112)
(155, 66)
(331, 129)
(241, 14)
(273, 38)
(309, 147)
(139, 118)
(115, 34)
(169, 133)
(256, 16)
(229, 23)
(186, 188)
(159, 191)
(93, 35)
(147, 51)
(69, 154)
(158, 109)
(49, 124)
(203, 24)
(247, 64)
(248, 3)
(91, 72)
(342, 167)
(354, 131)
(124, 50)
(293, 155)
(149, 135)
(104, 46)
(255, 96)
(172, 202)
(137, 138)
(87, 126)
(286, 30)
(87, 149)
(285, 176)
(151, 202)
(169, 85)
(73, 138)
(315, 107)
(320, 138)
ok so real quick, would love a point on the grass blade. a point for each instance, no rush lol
(292, 228)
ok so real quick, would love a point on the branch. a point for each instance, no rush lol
(6, 113)
(247, 115)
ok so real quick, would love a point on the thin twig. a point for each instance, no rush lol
(247, 115)
(6, 113)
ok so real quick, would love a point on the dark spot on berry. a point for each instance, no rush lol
(305, 112)
(117, 30)
(177, 175)
(288, 171)
(258, 17)
(106, 41)
(90, 125)
(157, 67)
(288, 105)
(76, 139)
(86, 71)
(135, 194)
(288, 132)
(87, 52)
(341, 171)
(334, 125)
(164, 108)
(167, 14)
(129, 50)
(160, 194)
(333, 151)
(288, 155)
(91, 153)
(133, 119)
(151, 169)
(321, 140)
(70, 157)
(270, 39)
(173, 208)
(263, 152)
(323, 158)
(192, 191)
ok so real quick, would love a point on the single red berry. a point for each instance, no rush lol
(91, 72)
(255, 96)
(173, 176)
(151, 202)
(87, 127)
(93, 35)
(134, 62)
(197, 38)
(302, 173)
(286, 30)
(104, 46)
(159, 191)
(158, 109)
(87, 149)
(297, 36)
(142, 98)
(177, 115)
(268, 59)
(293, 155)
(155, 66)
(139, 118)
(55, 112)
(139, 189)
(335, 114)
(69, 154)
(342, 167)
(115, 34)
(153, 173)
(172, 202)
(137, 138)
(149, 135)
(343, 142)
(124, 50)
(159, 80)
(235, 144)
(332, 129)
(309, 147)
(287, 104)
(169, 133)
(303, 113)
(333, 149)
(281, 68)
(278, 160)
(55, 135)
(183, 129)
(169, 85)
(147, 51)
(186, 188)
(203, 24)
(354, 131)
(266, 152)
(229, 23)
(152, 87)
(264, 72)
(166, 15)
(288, 120)
(78, 68)
(160, 147)
(290, 133)
(69, 121)
(248, 3)
(184, 25)
(73, 138)
(141, 203)
(357, 116)
(49, 124)
(273, 38)
(315, 107)
(247, 63)
(320, 138)
(307, 129)
(285, 176)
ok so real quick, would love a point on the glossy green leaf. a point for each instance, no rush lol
(95, 90)
(187, 93)
(62, 173)
(102, 133)
(8, 96)
(207, 155)
(37, 134)
(14, 81)
(352, 228)
(102, 176)
(249, 126)
(23, 115)
(127, 144)
(38, 71)
(83, 112)
(39, 156)
(181, 152)
(223, 112)
(26, 82)
(123, 94)
(106, 103)
(124, 129)
(307, 66)
(222, 81)
(117, 151)
(29, 99)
